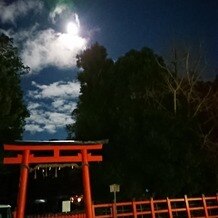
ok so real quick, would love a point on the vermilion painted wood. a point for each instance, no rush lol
(56, 156)
(154, 208)
(21, 201)
(15, 147)
(169, 208)
(82, 215)
(30, 155)
(54, 159)
(187, 207)
(86, 184)
(156, 212)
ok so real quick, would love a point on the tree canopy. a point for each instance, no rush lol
(154, 120)
(13, 112)
(12, 108)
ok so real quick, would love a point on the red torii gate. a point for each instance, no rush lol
(28, 153)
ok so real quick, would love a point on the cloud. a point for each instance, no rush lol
(58, 10)
(49, 110)
(63, 12)
(10, 12)
(41, 46)
(33, 128)
(56, 89)
(49, 48)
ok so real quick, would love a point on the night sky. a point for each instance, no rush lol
(39, 29)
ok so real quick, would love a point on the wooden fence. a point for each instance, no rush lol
(201, 207)
(58, 215)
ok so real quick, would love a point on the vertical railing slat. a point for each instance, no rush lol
(169, 208)
(187, 207)
(114, 209)
(205, 206)
(152, 208)
(134, 209)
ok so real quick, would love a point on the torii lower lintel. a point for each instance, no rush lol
(28, 156)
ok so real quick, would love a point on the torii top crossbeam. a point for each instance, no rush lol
(70, 151)
(58, 151)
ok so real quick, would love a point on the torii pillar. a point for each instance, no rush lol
(27, 156)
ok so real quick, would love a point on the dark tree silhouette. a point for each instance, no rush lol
(12, 112)
(12, 108)
(154, 144)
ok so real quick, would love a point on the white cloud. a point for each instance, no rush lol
(56, 112)
(33, 105)
(42, 46)
(56, 89)
(49, 48)
(58, 10)
(58, 103)
(49, 121)
(33, 128)
(10, 12)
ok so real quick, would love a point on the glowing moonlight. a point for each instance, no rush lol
(72, 28)
(71, 39)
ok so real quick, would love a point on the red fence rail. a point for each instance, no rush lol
(58, 215)
(200, 207)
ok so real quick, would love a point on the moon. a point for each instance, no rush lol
(71, 40)
(72, 28)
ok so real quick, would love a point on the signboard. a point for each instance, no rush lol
(65, 206)
(114, 188)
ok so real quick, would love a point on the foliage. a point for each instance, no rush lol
(12, 111)
(12, 108)
(153, 119)
(94, 81)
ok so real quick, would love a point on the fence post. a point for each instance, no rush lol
(134, 209)
(187, 207)
(93, 209)
(169, 208)
(205, 206)
(114, 210)
(152, 208)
